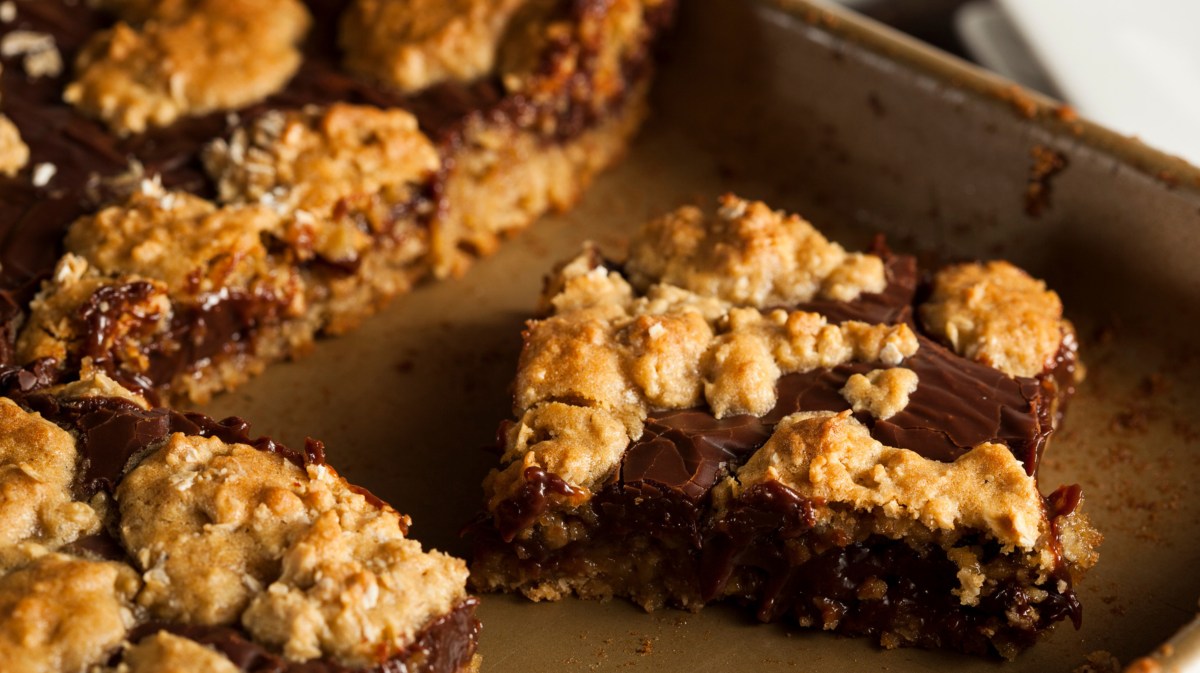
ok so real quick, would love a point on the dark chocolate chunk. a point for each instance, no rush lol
(684, 450)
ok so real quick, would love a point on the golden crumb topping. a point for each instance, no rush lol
(37, 471)
(412, 44)
(183, 241)
(184, 58)
(883, 393)
(227, 533)
(996, 314)
(165, 652)
(748, 254)
(63, 614)
(831, 459)
(325, 172)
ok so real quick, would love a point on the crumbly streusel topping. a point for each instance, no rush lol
(596, 43)
(185, 242)
(607, 357)
(831, 459)
(61, 613)
(324, 172)
(37, 471)
(413, 44)
(883, 393)
(187, 58)
(996, 314)
(749, 255)
(14, 153)
(165, 652)
(227, 533)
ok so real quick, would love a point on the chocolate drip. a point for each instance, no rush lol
(101, 546)
(444, 645)
(218, 324)
(531, 501)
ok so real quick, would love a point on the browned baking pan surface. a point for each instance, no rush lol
(860, 134)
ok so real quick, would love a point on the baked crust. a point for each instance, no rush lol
(721, 416)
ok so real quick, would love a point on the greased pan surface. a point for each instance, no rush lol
(861, 132)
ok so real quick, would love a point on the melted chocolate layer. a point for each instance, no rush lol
(540, 489)
(445, 645)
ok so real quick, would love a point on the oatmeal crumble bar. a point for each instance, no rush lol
(745, 411)
(206, 186)
(136, 538)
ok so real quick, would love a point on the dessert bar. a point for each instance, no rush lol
(745, 411)
(191, 189)
(136, 538)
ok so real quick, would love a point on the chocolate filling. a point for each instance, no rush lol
(869, 587)
(444, 645)
(33, 220)
(219, 324)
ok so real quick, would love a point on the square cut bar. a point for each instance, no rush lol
(192, 190)
(745, 411)
(141, 539)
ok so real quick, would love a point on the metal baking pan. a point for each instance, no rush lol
(861, 130)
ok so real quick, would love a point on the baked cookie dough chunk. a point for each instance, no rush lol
(186, 58)
(745, 410)
(412, 44)
(147, 539)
